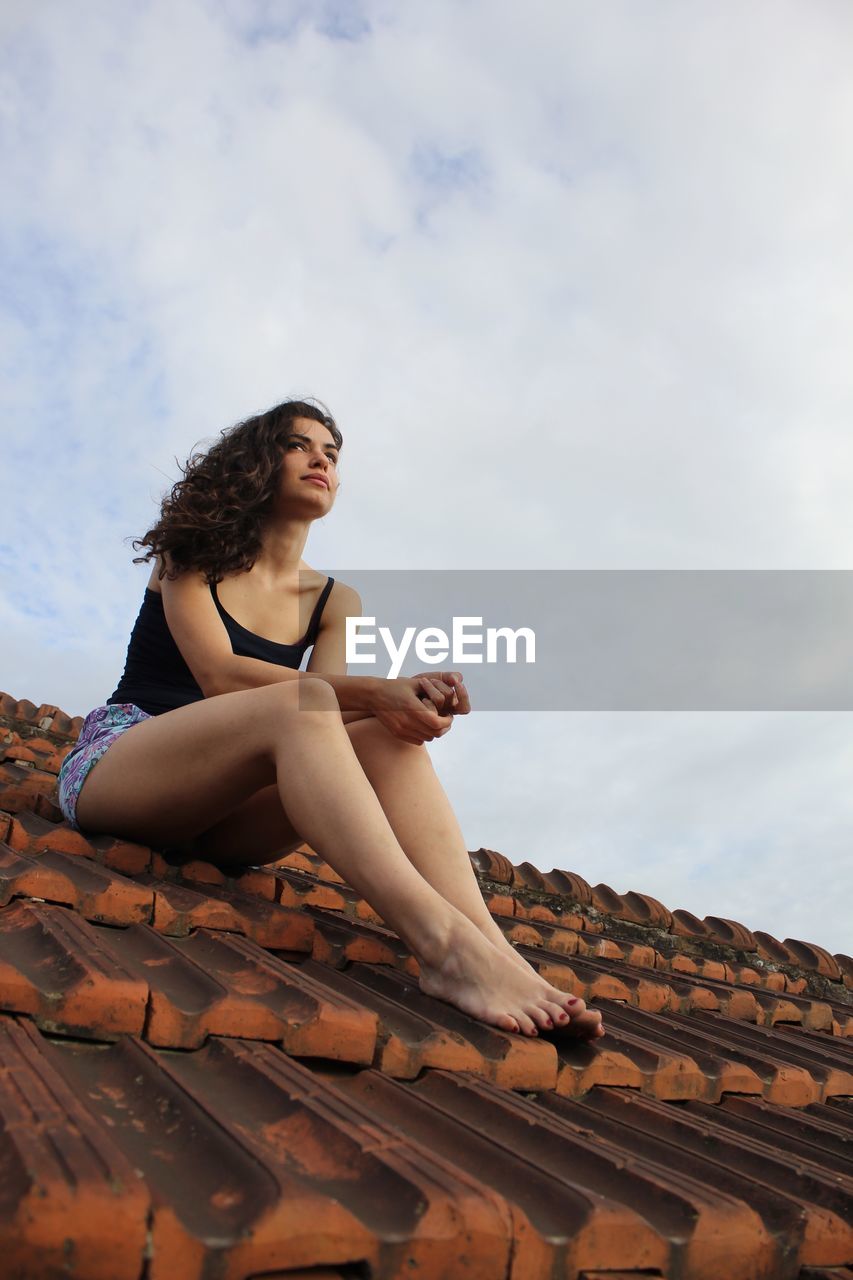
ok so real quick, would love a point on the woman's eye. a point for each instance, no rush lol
(301, 444)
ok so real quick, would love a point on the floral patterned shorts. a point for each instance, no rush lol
(100, 730)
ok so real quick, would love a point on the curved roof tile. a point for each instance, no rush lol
(204, 1072)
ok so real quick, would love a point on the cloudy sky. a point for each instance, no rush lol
(576, 283)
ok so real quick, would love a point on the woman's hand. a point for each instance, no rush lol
(414, 718)
(446, 691)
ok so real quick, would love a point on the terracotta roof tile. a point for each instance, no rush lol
(254, 1164)
(259, 881)
(179, 909)
(499, 904)
(809, 956)
(54, 966)
(120, 855)
(296, 890)
(771, 948)
(223, 984)
(647, 910)
(65, 1181)
(607, 900)
(721, 1072)
(20, 755)
(47, 718)
(779, 1068)
(571, 886)
(35, 753)
(339, 941)
(635, 1060)
(8, 706)
(416, 1031)
(29, 833)
(559, 1210)
(638, 908)
(94, 891)
(204, 1073)
(810, 1204)
(699, 1226)
(730, 932)
(305, 859)
(21, 788)
(686, 925)
(494, 866)
(547, 913)
(845, 965)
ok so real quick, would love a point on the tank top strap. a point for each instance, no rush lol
(236, 628)
(314, 624)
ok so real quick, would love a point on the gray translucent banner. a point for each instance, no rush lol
(623, 640)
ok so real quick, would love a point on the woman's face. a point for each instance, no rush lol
(309, 471)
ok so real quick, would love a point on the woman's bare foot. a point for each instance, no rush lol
(481, 979)
(582, 1022)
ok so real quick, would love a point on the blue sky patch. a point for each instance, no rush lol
(267, 21)
(446, 171)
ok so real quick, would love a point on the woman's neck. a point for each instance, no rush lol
(282, 546)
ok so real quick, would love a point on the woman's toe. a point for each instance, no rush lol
(557, 1014)
(526, 1025)
(573, 1005)
(542, 1016)
(588, 1025)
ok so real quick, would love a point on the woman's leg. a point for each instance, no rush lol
(421, 817)
(169, 779)
(257, 831)
(416, 805)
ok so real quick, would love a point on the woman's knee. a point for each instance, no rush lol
(291, 698)
(371, 736)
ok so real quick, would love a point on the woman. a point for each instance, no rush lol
(215, 743)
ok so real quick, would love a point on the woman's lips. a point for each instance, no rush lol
(317, 480)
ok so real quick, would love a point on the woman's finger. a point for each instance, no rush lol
(463, 704)
(430, 722)
(437, 686)
(439, 699)
(459, 699)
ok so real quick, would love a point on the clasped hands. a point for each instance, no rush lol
(421, 708)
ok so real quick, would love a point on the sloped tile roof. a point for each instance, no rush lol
(204, 1076)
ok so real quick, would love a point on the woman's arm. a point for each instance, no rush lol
(329, 655)
(205, 645)
(444, 690)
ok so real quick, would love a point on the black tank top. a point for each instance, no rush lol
(156, 678)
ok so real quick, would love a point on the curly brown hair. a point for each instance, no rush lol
(212, 519)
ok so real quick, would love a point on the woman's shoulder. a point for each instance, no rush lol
(341, 591)
(343, 600)
(155, 581)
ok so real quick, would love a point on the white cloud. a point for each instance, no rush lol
(741, 816)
